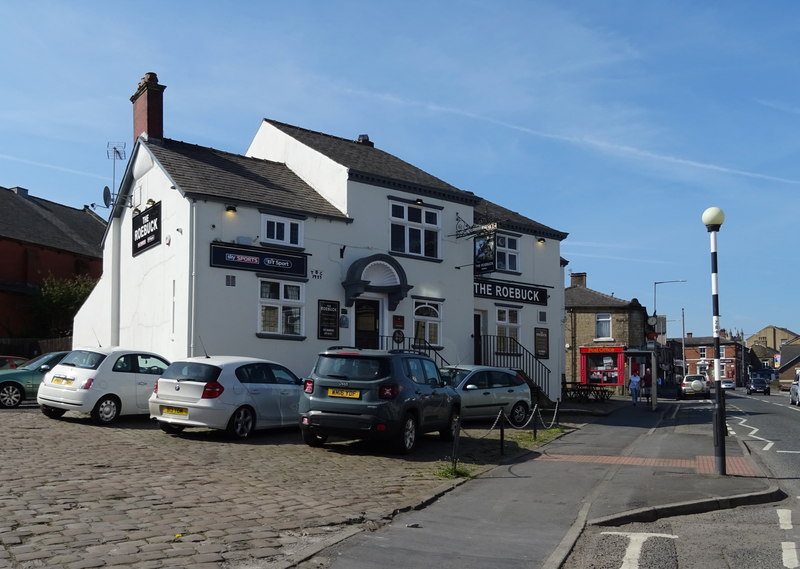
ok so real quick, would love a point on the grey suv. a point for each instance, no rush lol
(373, 394)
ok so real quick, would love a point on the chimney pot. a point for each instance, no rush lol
(364, 139)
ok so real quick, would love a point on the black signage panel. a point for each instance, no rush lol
(541, 343)
(146, 229)
(484, 261)
(510, 292)
(328, 320)
(256, 259)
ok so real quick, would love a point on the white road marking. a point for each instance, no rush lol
(785, 518)
(790, 555)
(635, 543)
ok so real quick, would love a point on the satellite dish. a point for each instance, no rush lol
(106, 196)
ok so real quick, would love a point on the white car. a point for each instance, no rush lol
(486, 390)
(104, 382)
(233, 393)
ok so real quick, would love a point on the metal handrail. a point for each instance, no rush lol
(413, 344)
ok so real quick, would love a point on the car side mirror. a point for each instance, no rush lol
(44, 367)
(471, 387)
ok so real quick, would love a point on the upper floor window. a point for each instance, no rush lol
(414, 229)
(701, 351)
(281, 230)
(602, 326)
(506, 253)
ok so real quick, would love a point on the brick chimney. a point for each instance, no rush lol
(148, 108)
(578, 279)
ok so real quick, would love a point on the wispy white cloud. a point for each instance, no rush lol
(590, 142)
(779, 106)
(650, 260)
(51, 167)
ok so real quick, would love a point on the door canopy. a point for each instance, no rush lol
(378, 273)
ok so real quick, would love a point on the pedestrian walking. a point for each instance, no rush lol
(633, 385)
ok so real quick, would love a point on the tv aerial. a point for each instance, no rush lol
(114, 151)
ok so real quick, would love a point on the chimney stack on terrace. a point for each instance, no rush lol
(148, 108)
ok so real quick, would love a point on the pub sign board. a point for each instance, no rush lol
(484, 260)
(282, 264)
(328, 320)
(541, 343)
(146, 229)
(510, 292)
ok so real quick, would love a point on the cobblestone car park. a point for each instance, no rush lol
(77, 495)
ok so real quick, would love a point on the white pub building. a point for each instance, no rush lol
(308, 240)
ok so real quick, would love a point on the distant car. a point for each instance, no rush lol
(232, 393)
(393, 395)
(758, 385)
(486, 390)
(728, 384)
(104, 382)
(17, 385)
(794, 393)
(695, 384)
(11, 362)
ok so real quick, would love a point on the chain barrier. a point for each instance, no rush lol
(536, 412)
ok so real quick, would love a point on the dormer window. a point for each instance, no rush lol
(281, 230)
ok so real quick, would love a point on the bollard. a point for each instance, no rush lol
(502, 432)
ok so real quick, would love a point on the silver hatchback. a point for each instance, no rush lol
(486, 390)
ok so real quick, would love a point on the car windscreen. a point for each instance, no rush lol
(353, 368)
(192, 371)
(83, 359)
(453, 376)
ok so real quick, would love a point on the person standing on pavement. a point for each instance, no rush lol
(633, 385)
(646, 384)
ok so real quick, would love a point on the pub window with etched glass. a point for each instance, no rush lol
(602, 326)
(281, 308)
(506, 253)
(414, 230)
(508, 323)
(427, 322)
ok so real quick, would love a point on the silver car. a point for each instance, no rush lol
(486, 390)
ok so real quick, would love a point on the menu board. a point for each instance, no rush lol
(328, 320)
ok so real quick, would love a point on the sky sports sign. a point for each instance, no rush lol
(256, 259)
(147, 229)
(510, 292)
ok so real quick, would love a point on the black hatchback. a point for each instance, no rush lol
(758, 385)
(374, 394)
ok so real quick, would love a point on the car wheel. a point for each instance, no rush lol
(10, 395)
(518, 414)
(241, 424)
(766, 392)
(313, 439)
(53, 412)
(106, 411)
(408, 435)
(171, 429)
(451, 432)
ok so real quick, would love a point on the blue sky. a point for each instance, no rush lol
(618, 122)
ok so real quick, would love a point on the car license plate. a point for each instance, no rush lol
(348, 393)
(62, 380)
(182, 411)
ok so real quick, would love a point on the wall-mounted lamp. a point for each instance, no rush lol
(541, 240)
(418, 201)
(136, 211)
(230, 208)
(151, 202)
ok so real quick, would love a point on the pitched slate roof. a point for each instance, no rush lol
(41, 222)
(488, 212)
(374, 166)
(206, 172)
(582, 297)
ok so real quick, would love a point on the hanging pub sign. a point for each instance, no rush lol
(484, 261)
(245, 258)
(510, 292)
(146, 229)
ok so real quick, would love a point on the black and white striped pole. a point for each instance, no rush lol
(713, 219)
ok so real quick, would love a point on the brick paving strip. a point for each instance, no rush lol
(738, 466)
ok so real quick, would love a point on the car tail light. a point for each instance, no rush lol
(88, 383)
(212, 390)
(388, 391)
(155, 387)
(308, 386)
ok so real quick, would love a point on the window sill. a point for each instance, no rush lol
(269, 336)
(603, 340)
(417, 257)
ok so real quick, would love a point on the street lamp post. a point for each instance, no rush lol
(654, 360)
(713, 219)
